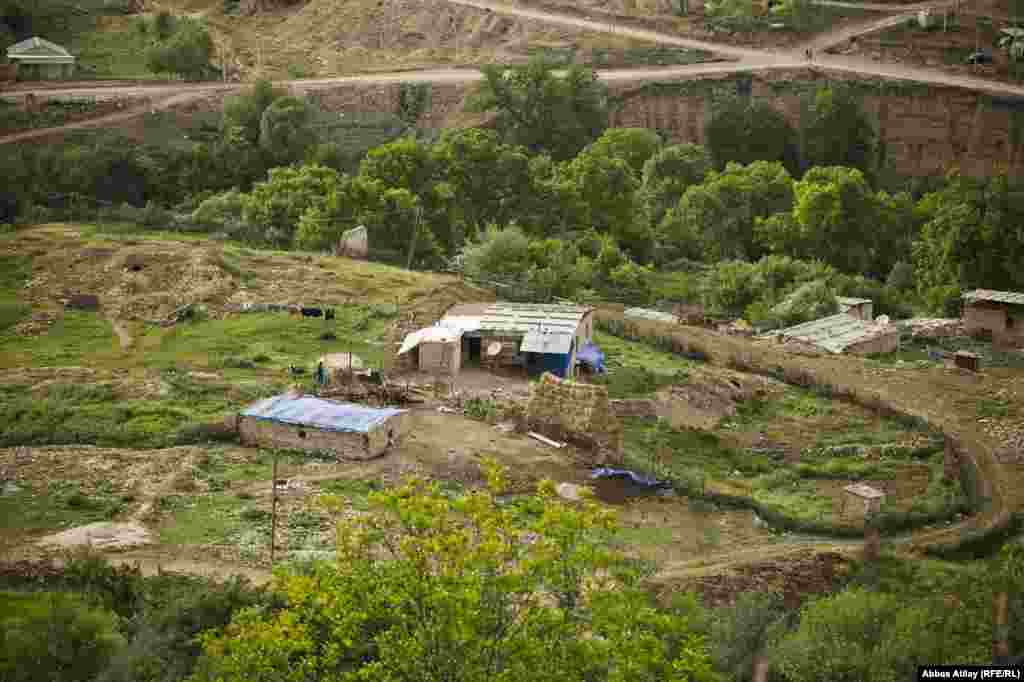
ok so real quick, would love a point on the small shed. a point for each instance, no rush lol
(861, 308)
(647, 314)
(39, 59)
(439, 349)
(355, 243)
(996, 313)
(844, 333)
(872, 497)
(307, 422)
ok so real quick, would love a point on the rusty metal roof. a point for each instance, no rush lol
(1012, 297)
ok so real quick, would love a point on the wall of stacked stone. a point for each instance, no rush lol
(577, 408)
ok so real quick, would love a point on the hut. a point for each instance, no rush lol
(537, 337)
(844, 333)
(307, 422)
(998, 314)
(39, 59)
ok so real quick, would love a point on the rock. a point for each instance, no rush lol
(10, 488)
(102, 535)
(568, 491)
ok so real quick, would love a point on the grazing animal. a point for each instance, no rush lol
(312, 312)
(296, 370)
(329, 314)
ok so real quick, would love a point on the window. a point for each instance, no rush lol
(302, 434)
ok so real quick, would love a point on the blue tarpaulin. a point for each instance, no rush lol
(318, 413)
(645, 481)
(591, 355)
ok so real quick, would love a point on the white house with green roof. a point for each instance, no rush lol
(39, 59)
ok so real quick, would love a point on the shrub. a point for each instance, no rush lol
(54, 636)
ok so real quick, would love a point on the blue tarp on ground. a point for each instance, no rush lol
(318, 413)
(645, 481)
(591, 355)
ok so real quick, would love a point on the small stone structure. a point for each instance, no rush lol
(309, 423)
(580, 410)
(354, 243)
(872, 498)
(999, 314)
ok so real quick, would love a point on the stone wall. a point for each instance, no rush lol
(579, 411)
(886, 343)
(635, 407)
(985, 317)
(260, 432)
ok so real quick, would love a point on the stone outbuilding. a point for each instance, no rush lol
(39, 59)
(439, 349)
(844, 333)
(996, 313)
(309, 423)
(354, 243)
(861, 308)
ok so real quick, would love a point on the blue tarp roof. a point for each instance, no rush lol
(318, 413)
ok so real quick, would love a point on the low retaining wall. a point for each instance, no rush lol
(980, 471)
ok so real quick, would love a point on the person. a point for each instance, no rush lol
(321, 378)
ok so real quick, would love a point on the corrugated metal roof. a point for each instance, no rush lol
(646, 314)
(846, 300)
(519, 318)
(994, 296)
(546, 342)
(835, 333)
(38, 49)
(308, 410)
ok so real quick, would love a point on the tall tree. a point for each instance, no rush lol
(669, 173)
(744, 130)
(544, 111)
(838, 132)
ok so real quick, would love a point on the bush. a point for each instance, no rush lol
(54, 636)
(209, 432)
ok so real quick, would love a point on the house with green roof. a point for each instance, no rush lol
(39, 59)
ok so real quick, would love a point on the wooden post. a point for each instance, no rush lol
(415, 233)
(1000, 625)
(872, 539)
(273, 510)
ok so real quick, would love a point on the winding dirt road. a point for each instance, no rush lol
(164, 96)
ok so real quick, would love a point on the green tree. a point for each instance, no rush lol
(488, 179)
(838, 132)
(543, 111)
(435, 588)
(602, 194)
(721, 213)
(286, 129)
(669, 173)
(54, 636)
(743, 633)
(970, 239)
(744, 130)
(244, 112)
(275, 206)
(834, 218)
(186, 52)
(633, 145)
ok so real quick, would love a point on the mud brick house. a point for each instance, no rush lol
(844, 333)
(996, 313)
(39, 59)
(536, 337)
(310, 423)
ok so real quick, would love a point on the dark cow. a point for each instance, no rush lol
(312, 312)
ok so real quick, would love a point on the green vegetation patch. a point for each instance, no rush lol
(658, 55)
(204, 520)
(106, 53)
(279, 336)
(75, 339)
(637, 369)
(54, 113)
(15, 269)
(59, 504)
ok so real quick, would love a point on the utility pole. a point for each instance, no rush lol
(273, 510)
